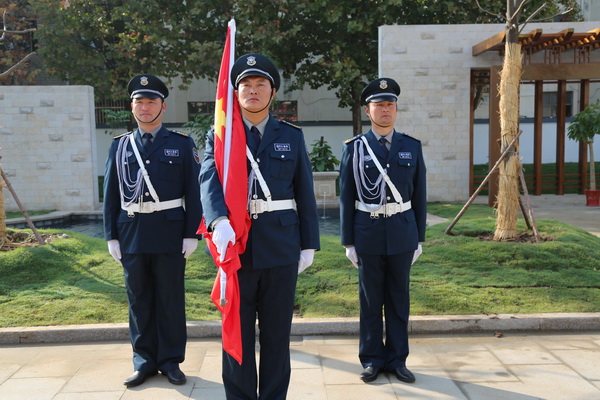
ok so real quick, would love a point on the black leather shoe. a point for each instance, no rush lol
(175, 376)
(137, 378)
(370, 374)
(403, 374)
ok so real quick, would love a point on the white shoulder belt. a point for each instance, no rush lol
(389, 209)
(259, 206)
(147, 207)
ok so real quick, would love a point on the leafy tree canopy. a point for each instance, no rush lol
(328, 43)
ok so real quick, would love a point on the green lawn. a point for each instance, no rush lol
(75, 281)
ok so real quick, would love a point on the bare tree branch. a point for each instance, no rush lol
(5, 31)
(17, 65)
(486, 11)
(520, 8)
(549, 18)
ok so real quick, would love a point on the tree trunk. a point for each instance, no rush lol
(508, 179)
(356, 116)
(592, 167)
(2, 214)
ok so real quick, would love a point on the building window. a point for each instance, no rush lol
(550, 102)
(286, 110)
(200, 108)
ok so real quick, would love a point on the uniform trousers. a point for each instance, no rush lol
(157, 324)
(266, 293)
(384, 285)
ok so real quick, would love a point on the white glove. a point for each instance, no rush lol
(306, 259)
(223, 234)
(351, 254)
(114, 248)
(418, 252)
(188, 247)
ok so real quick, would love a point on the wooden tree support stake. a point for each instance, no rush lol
(527, 210)
(23, 211)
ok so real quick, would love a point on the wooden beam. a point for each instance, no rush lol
(489, 43)
(547, 72)
(495, 132)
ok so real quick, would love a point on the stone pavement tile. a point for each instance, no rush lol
(7, 370)
(549, 382)
(55, 363)
(475, 366)
(210, 373)
(208, 393)
(307, 384)
(116, 395)
(100, 375)
(159, 388)
(584, 362)
(19, 354)
(303, 360)
(344, 369)
(522, 352)
(31, 388)
(361, 391)
(431, 383)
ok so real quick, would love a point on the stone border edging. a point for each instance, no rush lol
(440, 324)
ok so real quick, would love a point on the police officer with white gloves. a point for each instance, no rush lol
(151, 214)
(282, 239)
(383, 218)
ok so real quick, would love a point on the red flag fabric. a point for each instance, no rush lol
(231, 166)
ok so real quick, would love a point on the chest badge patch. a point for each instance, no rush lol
(172, 152)
(283, 147)
(405, 155)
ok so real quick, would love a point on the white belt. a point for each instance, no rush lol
(260, 206)
(387, 210)
(148, 207)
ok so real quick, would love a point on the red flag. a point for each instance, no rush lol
(231, 166)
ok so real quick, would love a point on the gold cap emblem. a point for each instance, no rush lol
(144, 81)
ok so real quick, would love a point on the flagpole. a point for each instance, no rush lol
(228, 130)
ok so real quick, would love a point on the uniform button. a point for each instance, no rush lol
(282, 156)
(147, 161)
(258, 160)
(387, 165)
(254, 196)
(146, 194)
(170, 162)
(388, 198)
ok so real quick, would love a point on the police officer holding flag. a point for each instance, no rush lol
(151, 213)
(283, 236)
(383, 219)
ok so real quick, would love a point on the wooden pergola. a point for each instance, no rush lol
(567, 57)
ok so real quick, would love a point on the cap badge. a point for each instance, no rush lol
(383, 84)
(251, 61)
(144, 81)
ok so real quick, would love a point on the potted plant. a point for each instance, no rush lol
(584, 127)
(324, 174)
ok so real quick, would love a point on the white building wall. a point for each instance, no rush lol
(432, 64)
(47, 135)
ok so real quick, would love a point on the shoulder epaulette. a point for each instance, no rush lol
(121, 135)
(290, 124)
(353, 138)
(408, 136)
(179, 133)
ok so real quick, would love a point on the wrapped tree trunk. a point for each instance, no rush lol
(508, 179)
(2, 214)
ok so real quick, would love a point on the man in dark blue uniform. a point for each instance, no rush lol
(383, 217)
(151, 213)
(282, 239)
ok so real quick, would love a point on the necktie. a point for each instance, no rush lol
(383, 143)
(147, 140)
(256, 135)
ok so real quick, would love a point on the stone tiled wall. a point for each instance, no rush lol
(48, 147)
(432, 64)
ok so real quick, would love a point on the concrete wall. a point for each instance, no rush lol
(432, 64)
(48, 140)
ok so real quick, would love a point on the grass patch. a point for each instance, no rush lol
(75, 281)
